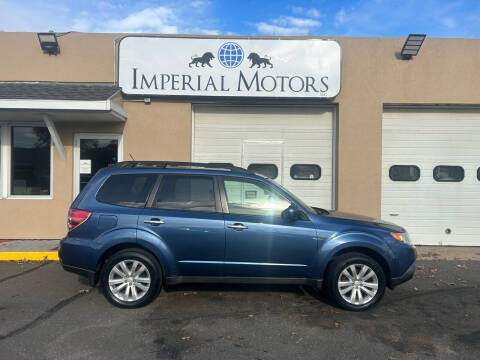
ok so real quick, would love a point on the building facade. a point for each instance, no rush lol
(375, 134)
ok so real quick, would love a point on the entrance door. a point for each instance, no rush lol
(91, 153)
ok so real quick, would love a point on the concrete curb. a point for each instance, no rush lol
(29, 256)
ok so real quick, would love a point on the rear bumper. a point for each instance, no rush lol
(405, 277)
(65, 254)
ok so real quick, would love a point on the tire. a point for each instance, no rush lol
(361, 291)
(132, 291)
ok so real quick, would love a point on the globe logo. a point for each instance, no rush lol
(230, 55)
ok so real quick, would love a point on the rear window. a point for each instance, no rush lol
(129, 190)
(404, 173)
(268, 170)
(305, 172)
(188, 193)
(444, 173)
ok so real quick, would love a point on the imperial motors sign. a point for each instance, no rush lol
(229, 67)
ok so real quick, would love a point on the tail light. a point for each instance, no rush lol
(77, 217)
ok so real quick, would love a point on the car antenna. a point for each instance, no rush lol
(131, 156)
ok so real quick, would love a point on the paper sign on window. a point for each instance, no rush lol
(85, 166)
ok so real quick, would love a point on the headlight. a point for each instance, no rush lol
(402, 237)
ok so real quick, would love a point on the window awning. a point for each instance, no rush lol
(60, 102)
(27, 101)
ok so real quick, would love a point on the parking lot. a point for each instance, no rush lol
(46, 313)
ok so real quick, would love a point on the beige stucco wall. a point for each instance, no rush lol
(445, 72)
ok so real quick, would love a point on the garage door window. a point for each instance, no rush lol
(305, 172)
(267, 170)
(404, 173)
(445, 173)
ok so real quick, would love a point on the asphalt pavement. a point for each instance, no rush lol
(46, 313)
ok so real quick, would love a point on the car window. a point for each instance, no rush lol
(129, 190)
(249, 197)
(268, 170)
(444, 173)
(183, 192)
(404, 173)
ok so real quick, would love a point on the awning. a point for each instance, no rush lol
(27, 101)
(60, 102)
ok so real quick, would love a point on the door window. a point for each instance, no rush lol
(94, 155)
(183, 192)
(129, 190)
(245, 197)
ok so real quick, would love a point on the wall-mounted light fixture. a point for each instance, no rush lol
(412, 45)
(48, 43)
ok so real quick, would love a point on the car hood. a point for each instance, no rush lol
(365, 220)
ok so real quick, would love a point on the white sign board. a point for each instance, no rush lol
(85, 166)
(229, 67)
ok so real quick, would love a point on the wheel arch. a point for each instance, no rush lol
(119, 247)
(375, 255)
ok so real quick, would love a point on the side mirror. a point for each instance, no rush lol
(291, 213)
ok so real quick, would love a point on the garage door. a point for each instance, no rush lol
(430, 175)
(294, 146)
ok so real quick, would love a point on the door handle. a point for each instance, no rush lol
(154, 221)
(237, 226)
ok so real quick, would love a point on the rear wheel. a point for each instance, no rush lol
(131, 278)
(355, 281)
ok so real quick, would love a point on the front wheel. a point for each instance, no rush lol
(131, 278)
(355, 281)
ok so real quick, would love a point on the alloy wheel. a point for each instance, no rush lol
(129, 280)
(357, 284)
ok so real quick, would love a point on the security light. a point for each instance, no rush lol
(49, 43)
(412, 45)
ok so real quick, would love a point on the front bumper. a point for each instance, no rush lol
(405, 277)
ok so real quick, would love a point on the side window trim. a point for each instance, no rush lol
(156, 187)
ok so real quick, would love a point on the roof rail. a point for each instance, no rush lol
(169, 164)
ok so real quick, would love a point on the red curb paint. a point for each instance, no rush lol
(5, 241)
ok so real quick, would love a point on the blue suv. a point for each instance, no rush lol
(138, 225)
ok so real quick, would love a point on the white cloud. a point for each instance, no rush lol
(341, 17)
(287, 25)
(150, 20)
(108, 16)
(269, 29)
(312, 12)
(449, 22)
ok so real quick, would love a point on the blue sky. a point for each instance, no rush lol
(397, 18)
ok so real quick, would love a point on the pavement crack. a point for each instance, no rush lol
(46, 315)
(24, 272)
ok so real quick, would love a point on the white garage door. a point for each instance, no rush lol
(295, 144)
(442, 150)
